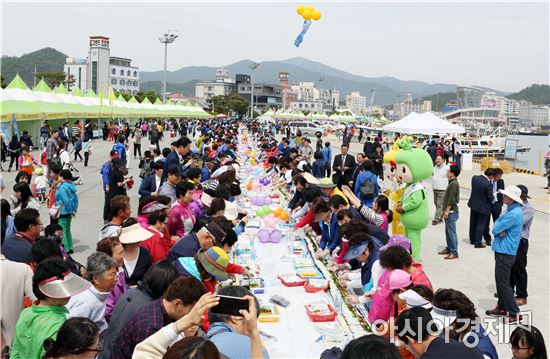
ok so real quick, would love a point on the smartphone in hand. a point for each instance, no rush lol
(230, 305)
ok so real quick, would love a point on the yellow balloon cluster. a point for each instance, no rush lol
(308, 12)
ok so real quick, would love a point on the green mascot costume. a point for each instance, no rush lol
(413, 166)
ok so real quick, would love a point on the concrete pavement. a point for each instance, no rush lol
(473, 273)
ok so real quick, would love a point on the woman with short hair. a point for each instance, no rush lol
(103, 275)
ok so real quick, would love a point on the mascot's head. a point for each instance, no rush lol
(390, 166)
(413, 164)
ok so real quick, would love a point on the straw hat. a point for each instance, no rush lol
(66, 287)
(134, 234)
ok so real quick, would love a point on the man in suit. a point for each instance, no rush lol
(151, 183)
(368, 147)
(496, 204)
(343, 167)
(480, 204)
(360, 157)
(182, 148)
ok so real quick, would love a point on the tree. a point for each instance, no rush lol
(229, 104)
(3, 84)
(69, 81)
(52, 78)
(151, 95)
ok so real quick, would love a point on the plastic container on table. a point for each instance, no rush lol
(291, 280)
(316, 285)
(273, 315)
(321, 312)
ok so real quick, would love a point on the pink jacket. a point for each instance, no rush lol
(382, 301)
(181, 219)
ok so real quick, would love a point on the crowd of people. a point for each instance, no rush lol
(160, 265)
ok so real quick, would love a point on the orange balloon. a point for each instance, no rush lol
(284, 216)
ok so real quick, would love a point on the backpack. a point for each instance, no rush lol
(146, 169)
(367, 189)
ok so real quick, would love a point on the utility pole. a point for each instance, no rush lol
(166, 39)
(252, 66)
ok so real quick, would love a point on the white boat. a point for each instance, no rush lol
(490, 145)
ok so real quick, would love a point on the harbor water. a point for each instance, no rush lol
(534, 159)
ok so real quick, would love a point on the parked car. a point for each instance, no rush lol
(307, 128)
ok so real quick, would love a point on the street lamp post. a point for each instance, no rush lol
(166, 39)
(252, 66)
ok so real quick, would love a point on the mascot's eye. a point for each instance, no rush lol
(404, 169)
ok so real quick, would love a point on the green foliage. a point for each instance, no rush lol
(440, 100)
(305, 112)
(537, 94)
(54, 78)
(45, 60)
(151, 95)
(187, 88)
(3, 83)
(229, 104)
(125, 96)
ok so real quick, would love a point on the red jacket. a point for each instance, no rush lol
(157, 245)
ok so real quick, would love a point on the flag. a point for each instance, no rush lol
(111, 99)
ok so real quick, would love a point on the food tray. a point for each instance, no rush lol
(266, 317)
(316, 285)
(328, 315)
(291, 280)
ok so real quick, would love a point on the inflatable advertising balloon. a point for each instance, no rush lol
(309, 14)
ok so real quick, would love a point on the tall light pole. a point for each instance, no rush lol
(166, 39)
(252, 66)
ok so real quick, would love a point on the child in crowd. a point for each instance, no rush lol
(41, 185)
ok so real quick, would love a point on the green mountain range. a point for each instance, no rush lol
(536, 94)
(388, 89)
(46, 59)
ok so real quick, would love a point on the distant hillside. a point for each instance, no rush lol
(187, 88)
(46, 59)
(387, 88)
(440, 100)
(536, 94)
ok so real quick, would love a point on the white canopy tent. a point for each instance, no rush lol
(426, 124)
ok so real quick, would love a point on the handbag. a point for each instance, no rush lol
(55, 211)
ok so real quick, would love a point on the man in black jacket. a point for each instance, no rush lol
(480, 204)
(182, 148)
(416, 328)
(343, 167)
(496, 204)
(368, 147)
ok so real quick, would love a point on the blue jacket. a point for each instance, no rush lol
(362, 177)
(148, 185)
(511, 222)
(318, 168)
(66, 195)
(106, 173)
(205, 174)
(283, 151)
(121, 149)
(171, 159)
(330, 236)
(230, 343)
(327, 154)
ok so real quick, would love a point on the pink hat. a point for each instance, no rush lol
(399, 279)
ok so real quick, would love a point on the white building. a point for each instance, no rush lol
(311, 106)
(79, 69)
(356, 103)
(404, 108)
(100, 70)
(222, 86)
(534, 115)
(306, 91)
(507, 108)
(331, 99)
(123, 76)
